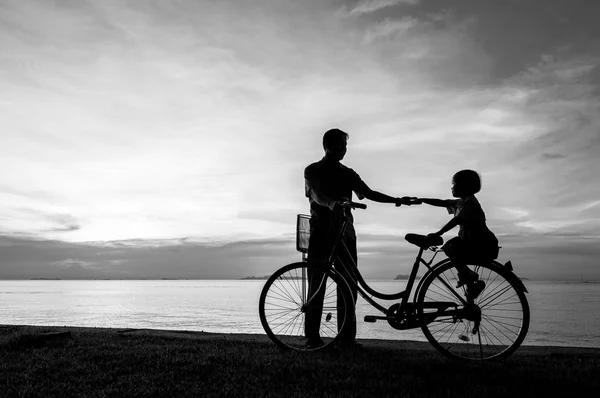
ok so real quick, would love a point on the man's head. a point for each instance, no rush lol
(334, 144)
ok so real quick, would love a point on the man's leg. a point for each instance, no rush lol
(319, 246)
(350, 259)
(315, 310)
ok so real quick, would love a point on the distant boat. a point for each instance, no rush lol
(45, 279)
(254, 278)
(403, 277)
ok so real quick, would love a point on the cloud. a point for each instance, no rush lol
(553, 156)
(390, 27)
(586, 206)
(158, 130)
(72, 263)
(370, 6)
(39, 221)
(516, 213)
(67, 222)
(568, 115)
(24, 258)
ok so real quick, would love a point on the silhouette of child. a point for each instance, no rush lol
(475, 242)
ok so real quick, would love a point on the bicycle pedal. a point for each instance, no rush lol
(370, 318)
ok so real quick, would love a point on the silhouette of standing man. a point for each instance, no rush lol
(328, 184)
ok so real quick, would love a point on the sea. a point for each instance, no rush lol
(562, 313)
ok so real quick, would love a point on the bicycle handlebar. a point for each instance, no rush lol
(354, 205)
(358, 205)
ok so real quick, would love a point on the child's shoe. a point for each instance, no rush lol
(474, 285)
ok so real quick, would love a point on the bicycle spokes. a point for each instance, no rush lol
(294, 310)
(491, 326)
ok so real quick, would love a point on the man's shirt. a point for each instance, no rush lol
(334, 180)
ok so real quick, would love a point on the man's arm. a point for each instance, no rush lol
(376, 196)
(314, 191)
(312, 186)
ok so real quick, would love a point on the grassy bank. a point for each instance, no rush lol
(35, 361)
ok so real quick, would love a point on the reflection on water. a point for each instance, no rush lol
(561, 313)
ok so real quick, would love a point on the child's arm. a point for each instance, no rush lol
(433, 202)
(451, 224)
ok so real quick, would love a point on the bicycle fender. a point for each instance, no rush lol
(507, 267)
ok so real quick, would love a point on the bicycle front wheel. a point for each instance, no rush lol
(490, 327)
(287, 302)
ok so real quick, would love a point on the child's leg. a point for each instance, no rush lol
(465, 274)
(457, 252)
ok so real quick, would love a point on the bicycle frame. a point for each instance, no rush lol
(479, 320)
(362, 288)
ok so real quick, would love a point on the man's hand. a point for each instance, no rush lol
(407, 200)
(341, 204)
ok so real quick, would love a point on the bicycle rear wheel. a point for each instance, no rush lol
(283, 306)
(491, 327)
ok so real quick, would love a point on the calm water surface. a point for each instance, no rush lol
(564, 314)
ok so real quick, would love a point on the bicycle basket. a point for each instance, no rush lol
(302, 232)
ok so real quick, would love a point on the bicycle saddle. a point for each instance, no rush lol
(424, 241)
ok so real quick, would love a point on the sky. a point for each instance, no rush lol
(168, 139)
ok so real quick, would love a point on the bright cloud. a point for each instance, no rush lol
(369, 6)
(388, 28)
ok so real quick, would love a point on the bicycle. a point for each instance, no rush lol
(490, 326)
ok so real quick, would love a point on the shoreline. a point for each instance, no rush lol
(412, 345)
(262, 278)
